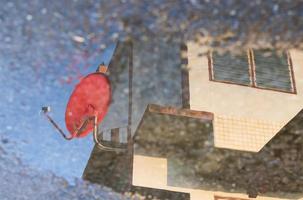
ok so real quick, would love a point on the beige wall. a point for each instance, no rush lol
(245, 118)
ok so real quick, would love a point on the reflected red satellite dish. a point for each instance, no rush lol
(91, 97)
(86, 108)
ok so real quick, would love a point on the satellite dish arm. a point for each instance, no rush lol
(96, 140)
(45, 111)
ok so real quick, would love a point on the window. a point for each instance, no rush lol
(264, 69)
(230, 68)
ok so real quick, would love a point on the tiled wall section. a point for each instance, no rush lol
(243, 134)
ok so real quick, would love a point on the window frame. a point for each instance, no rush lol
(252, 73)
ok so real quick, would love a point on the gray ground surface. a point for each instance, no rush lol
(228, 24)
(41, 59)
(21, 182)
(46, 46)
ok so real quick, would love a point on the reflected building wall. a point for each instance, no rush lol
(175, 152)
(155, 79)
(181, 156)
(247, 116)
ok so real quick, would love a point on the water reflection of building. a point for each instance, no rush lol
(229, 151)
(114, 169)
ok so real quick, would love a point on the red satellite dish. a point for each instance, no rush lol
(87, 107)
(91, 97)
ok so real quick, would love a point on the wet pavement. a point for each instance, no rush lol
(22, 182)
(46, 47)
(44, 52)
